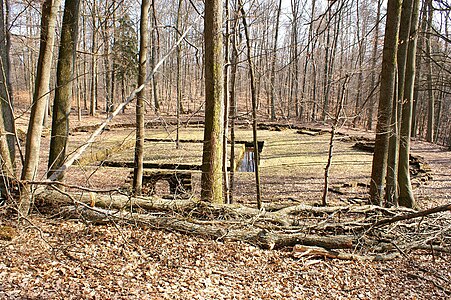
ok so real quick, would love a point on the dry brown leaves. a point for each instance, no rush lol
(73, 260)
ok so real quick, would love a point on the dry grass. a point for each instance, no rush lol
(292, 164)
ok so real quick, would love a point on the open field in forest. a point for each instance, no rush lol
(73, 259)
(292, 164)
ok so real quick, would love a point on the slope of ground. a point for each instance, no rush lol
(70, 259)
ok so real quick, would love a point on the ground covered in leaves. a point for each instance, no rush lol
(52, 258)
(56, 259)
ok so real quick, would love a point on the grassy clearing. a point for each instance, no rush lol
(292, 164)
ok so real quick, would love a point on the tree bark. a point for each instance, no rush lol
(42, 89)
(212, 177)
(40, 99)
(7, 128)
(179, 76)
(396, 117)
(406, 197)
(387, 92)
(431, 99)
(369, 121)
(64, 84)
(226, 104)
(93, 105)
(233, 104)
(273, 63)
(142, 75)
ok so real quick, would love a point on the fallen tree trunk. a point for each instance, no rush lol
(254, 236)
(281, 216)
(344, 227)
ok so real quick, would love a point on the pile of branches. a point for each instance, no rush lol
(364, 232)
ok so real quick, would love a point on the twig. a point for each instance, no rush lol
(60, 183)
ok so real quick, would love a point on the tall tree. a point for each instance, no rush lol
(226, 104)
(406, 197)
(387, 92)
(295, 7)
(212, 178)
(393, 148)
(40, 98)
(7, 143)
(254, 107)
(179, 76)
(64, 83)
(431, 96)
(374, 54)
(419, 69)
(232, 101)
(273, 63)
(155, 43)
(142, 74)
(93, 106)
(309, 57)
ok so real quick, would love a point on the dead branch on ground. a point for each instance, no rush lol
(366, 232)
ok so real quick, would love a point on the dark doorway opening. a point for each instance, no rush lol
(247, 163)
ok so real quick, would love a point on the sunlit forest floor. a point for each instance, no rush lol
(52, 258)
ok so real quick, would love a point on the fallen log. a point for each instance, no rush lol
(284, 217)
(342, 227)
(254, 236)
(54, 198)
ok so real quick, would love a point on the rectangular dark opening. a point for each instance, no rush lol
(247, 163)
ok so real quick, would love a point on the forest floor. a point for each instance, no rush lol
(53, 258)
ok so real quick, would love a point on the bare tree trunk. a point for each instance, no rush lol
(113, 59)
(254, 108)
(106, 59)
(64, 85)
(93, 106)
(85, 62)
(406, 197)
(142, 75)
(40, 98)
(30, 57)
(387, 92)
(153, 57)
(273, 63)
(295, 58)
(396, 117)
(369, 121)
(226, 104)
(330, 60)
(361, 36)
(233, 104)
(326, 86)
(309, 57)
(179, 76)
(418, 71)
(7, 128)
(212, 177)
(431, 101)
